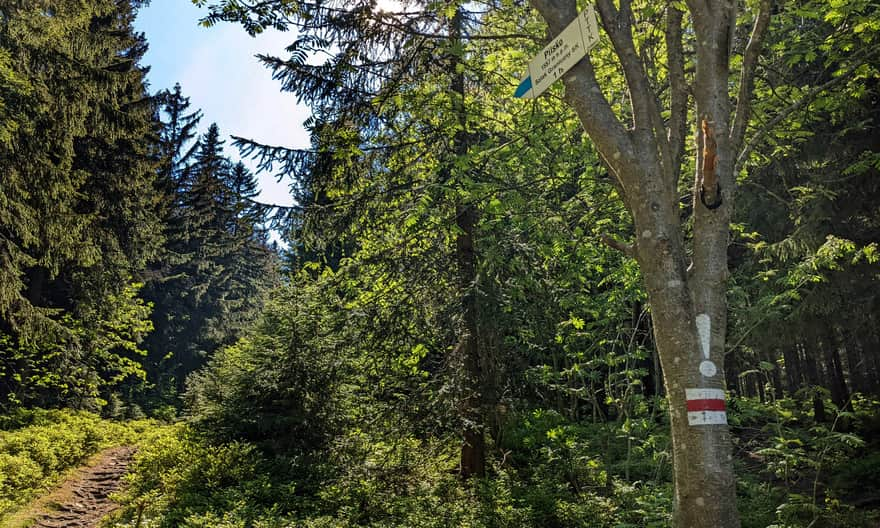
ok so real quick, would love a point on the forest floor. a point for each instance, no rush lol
(83, 499)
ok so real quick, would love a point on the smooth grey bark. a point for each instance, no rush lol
(646, 156)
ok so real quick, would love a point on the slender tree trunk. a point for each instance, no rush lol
(473, 457)
(641, 337)
(771, 356)
(811, 359)
(732, 368)
(871, 358)
(855, 364)
(792, 368)
(473, 448)
(839, 390)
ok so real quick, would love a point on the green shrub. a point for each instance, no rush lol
(179, 479)
(546, 470)
(37, 445)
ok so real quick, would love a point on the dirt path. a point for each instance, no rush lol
(83, 499)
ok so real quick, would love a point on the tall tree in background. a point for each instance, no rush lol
(216, 265)
(78, 210)
(177, 147)
(366, 123)
(178, 129)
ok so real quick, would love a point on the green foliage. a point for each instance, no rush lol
(575, 474)
(342, 406)
(180, 481)
(799, 472)
(93, 353)
(78, 205)
(183, 479)
(281, 386)
(36, 446)
(216, 264)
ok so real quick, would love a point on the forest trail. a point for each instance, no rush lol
(84, 498)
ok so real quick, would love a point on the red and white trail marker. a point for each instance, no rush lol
(706, 407)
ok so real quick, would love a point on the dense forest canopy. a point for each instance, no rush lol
(648, 297)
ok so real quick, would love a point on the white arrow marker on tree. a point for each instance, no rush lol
(563, 52)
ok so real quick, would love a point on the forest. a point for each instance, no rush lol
(648, 296)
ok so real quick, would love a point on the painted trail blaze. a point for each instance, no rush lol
(706, 407)
(523, 87)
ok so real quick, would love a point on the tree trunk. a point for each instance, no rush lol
(703, 472)
(645, 156)
(473, 447)
(855, 364)
(793, 370)
(732, 369)
(652, 385)
(473, 457)
(810, 361)
(771, 356)
(870, 355)
(839, 390)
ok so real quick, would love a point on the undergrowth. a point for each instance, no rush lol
(546, 471)
(37, 446)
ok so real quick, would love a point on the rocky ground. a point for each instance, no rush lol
(84, 499)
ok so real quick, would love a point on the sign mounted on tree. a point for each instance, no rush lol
(563, 52)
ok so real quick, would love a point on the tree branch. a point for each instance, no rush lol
(678, 88)
(758, 136)
(747, 75)
(649, 131)
(627, 249)
(618, 26)
(585, 96)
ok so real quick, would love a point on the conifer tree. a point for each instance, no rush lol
(211, 283)
(177, 148)
(411, 192)
(79, 211)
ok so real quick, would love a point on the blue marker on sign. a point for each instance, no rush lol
(523, 87)
(560, 55)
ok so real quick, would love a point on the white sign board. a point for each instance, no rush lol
(566, 50)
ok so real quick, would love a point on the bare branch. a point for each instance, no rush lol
(747, 75)
(648, 123)
(627, 249)
(618, 25)
(678, 88)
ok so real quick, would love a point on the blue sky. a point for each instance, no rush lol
(217, 70)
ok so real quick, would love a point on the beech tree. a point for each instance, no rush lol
(644, 148)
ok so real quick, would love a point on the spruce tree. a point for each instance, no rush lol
(211, 282)
(78, 209)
